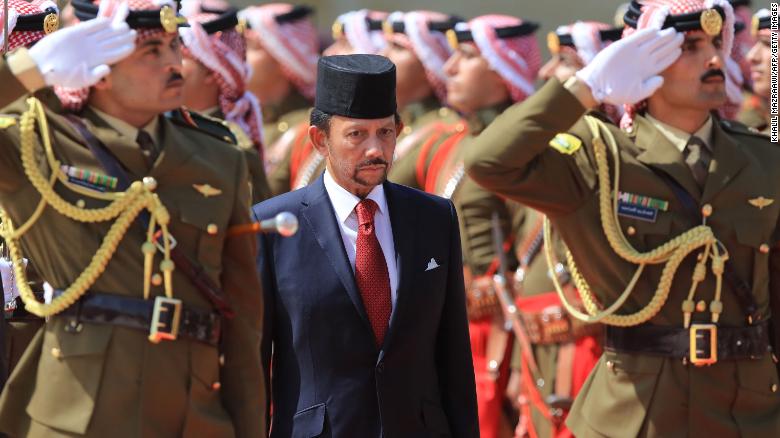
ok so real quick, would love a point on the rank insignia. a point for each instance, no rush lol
(7, 122)
(207, 190)
(566, 143)
(761, 202)
(88, 179)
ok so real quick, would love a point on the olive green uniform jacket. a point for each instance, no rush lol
(424, 122)
(283, 126)
(632, 394)
(107, 380)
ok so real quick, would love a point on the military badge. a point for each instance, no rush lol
(761, 202)
(640, 207)
(566, 143)
(88, 179)
(207, 190)
(711, 22)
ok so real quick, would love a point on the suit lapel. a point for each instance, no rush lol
(660, 153)
(727, 161)
(321, 220)
(403, 219)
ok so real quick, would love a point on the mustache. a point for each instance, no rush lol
(373, 162)
(175, 77)
(716, 72)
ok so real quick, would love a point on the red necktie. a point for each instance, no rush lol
(371, 271)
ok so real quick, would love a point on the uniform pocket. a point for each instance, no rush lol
(206, 415)
(756, 408)
(621, 383)
(69, 373)
(203, 230)
(310, 422)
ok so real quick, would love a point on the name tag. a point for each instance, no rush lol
(647, 214)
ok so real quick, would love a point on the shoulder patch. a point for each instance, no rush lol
(566, 143)
(7, 121)
(242, 138)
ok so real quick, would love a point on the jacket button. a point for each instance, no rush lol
(56, 352)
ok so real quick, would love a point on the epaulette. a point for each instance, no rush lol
(734, 127)
(243, 140)
(203, 123)
(7, 120)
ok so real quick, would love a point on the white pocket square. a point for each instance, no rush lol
(432, 265)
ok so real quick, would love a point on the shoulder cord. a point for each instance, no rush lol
(124, 207)
(672, 253)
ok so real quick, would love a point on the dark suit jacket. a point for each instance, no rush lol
(329, 377)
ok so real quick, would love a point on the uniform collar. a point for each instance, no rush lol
(678, 137)
(344, 202)
(480, 119)
(293, 102)
(127, 130)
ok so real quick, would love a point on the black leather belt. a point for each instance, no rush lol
(163, 318)
(701, 344)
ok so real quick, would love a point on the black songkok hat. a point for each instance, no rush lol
(356, 86)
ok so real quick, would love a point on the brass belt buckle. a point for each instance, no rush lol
(706, 337)
(165, 319)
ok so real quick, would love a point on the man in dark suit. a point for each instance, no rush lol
(365, 315)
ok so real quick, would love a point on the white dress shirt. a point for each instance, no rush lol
(344, 204)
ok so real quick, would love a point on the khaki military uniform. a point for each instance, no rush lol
(98, 380)
(754, 113)
(284, 125)
(426, 123)
(633, 394)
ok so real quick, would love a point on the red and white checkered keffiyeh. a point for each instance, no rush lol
(517, 60)
(586, 37)
(763, 13)
(18, 8)
(431, 47)
(74, 99)
(355, 29)
(295, 45)
(224, 53)
(743, 41)
(655, 12)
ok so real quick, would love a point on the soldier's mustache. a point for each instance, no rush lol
(716, 72)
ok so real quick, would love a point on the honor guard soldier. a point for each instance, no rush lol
(755, 110)
(27, 23)
(417, 45)
(215, 77)
(154, 326)
(283, 48)
(671, 223)
(495, 62)
(563, 348)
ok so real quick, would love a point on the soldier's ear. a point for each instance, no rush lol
(104, 83)
(319, 139)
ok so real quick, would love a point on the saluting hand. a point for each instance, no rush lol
(628, 70)
(79, 56)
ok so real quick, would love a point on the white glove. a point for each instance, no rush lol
(628, 70)
(79, 56)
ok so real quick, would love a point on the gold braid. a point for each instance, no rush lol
(672, 253)
(124, 207)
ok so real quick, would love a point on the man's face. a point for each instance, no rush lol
(471, 83)
(561, 66)
(410, 74)
(358, 152)
(149, 81)
(696, 80)
(759, 57)
(201, 90)
(268, 79)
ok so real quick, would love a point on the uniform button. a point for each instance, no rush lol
(80, 203)
(701, 306)
(221, 360)
(444, 112)
(212, 229)
(540, 383)
(631, 231)
(150, 183)
(216, 385)
(56, 352)
(764, 248)
(774, 387)
(157, 279)
(493, 365)
(706, 210)
(461, 127)
(282, 126)
(407, 130)
(610, 365)
(227, 139)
